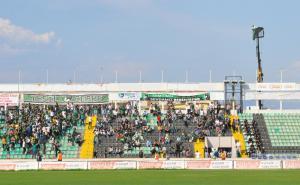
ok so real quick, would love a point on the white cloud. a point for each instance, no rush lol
(16, 39)
(13, 33)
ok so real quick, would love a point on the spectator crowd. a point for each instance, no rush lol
(120, 128)
(33, 126)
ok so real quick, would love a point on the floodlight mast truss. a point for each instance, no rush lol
(258, 32)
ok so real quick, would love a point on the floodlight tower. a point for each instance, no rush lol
(258, 32)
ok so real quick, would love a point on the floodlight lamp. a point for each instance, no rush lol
(258, 32)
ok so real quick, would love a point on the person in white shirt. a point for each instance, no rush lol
(197, 154)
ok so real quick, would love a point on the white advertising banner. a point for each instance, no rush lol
(125, 165)
(208, 164)
(173, 164)
(62, 165)
(8, 166)
(203, 164)
(9, 99)
(257, 164)
(52, 165)
(124, 96)
(294, 95)
(19, 166)
(27, 166)
(291, 164)
(275, 86)
(271, 164)
(96, 165)
(76, 165)
(112, 165)
(150, 165)
(221, 165)
(246, 164)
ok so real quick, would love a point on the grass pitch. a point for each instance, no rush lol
(153, 177)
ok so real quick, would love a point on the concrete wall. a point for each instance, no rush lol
(253, 91)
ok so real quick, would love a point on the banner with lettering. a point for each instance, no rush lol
(9, 99)
(80, 99)
(124, 96)
(166, 97)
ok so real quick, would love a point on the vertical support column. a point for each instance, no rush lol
(161, 103)
(139, 106)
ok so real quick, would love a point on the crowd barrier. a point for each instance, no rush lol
(149, 164)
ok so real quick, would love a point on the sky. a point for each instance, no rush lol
(87, 39)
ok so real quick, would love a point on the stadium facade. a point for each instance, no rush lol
(249, 133)
(252, 91)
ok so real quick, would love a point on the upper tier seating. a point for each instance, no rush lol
(283, 129)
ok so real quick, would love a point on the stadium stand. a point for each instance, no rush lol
(41, 130)
(124, 132)
(276, 134)
(112, 131)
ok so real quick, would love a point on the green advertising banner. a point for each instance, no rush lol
(81, 99)
(165, 97)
